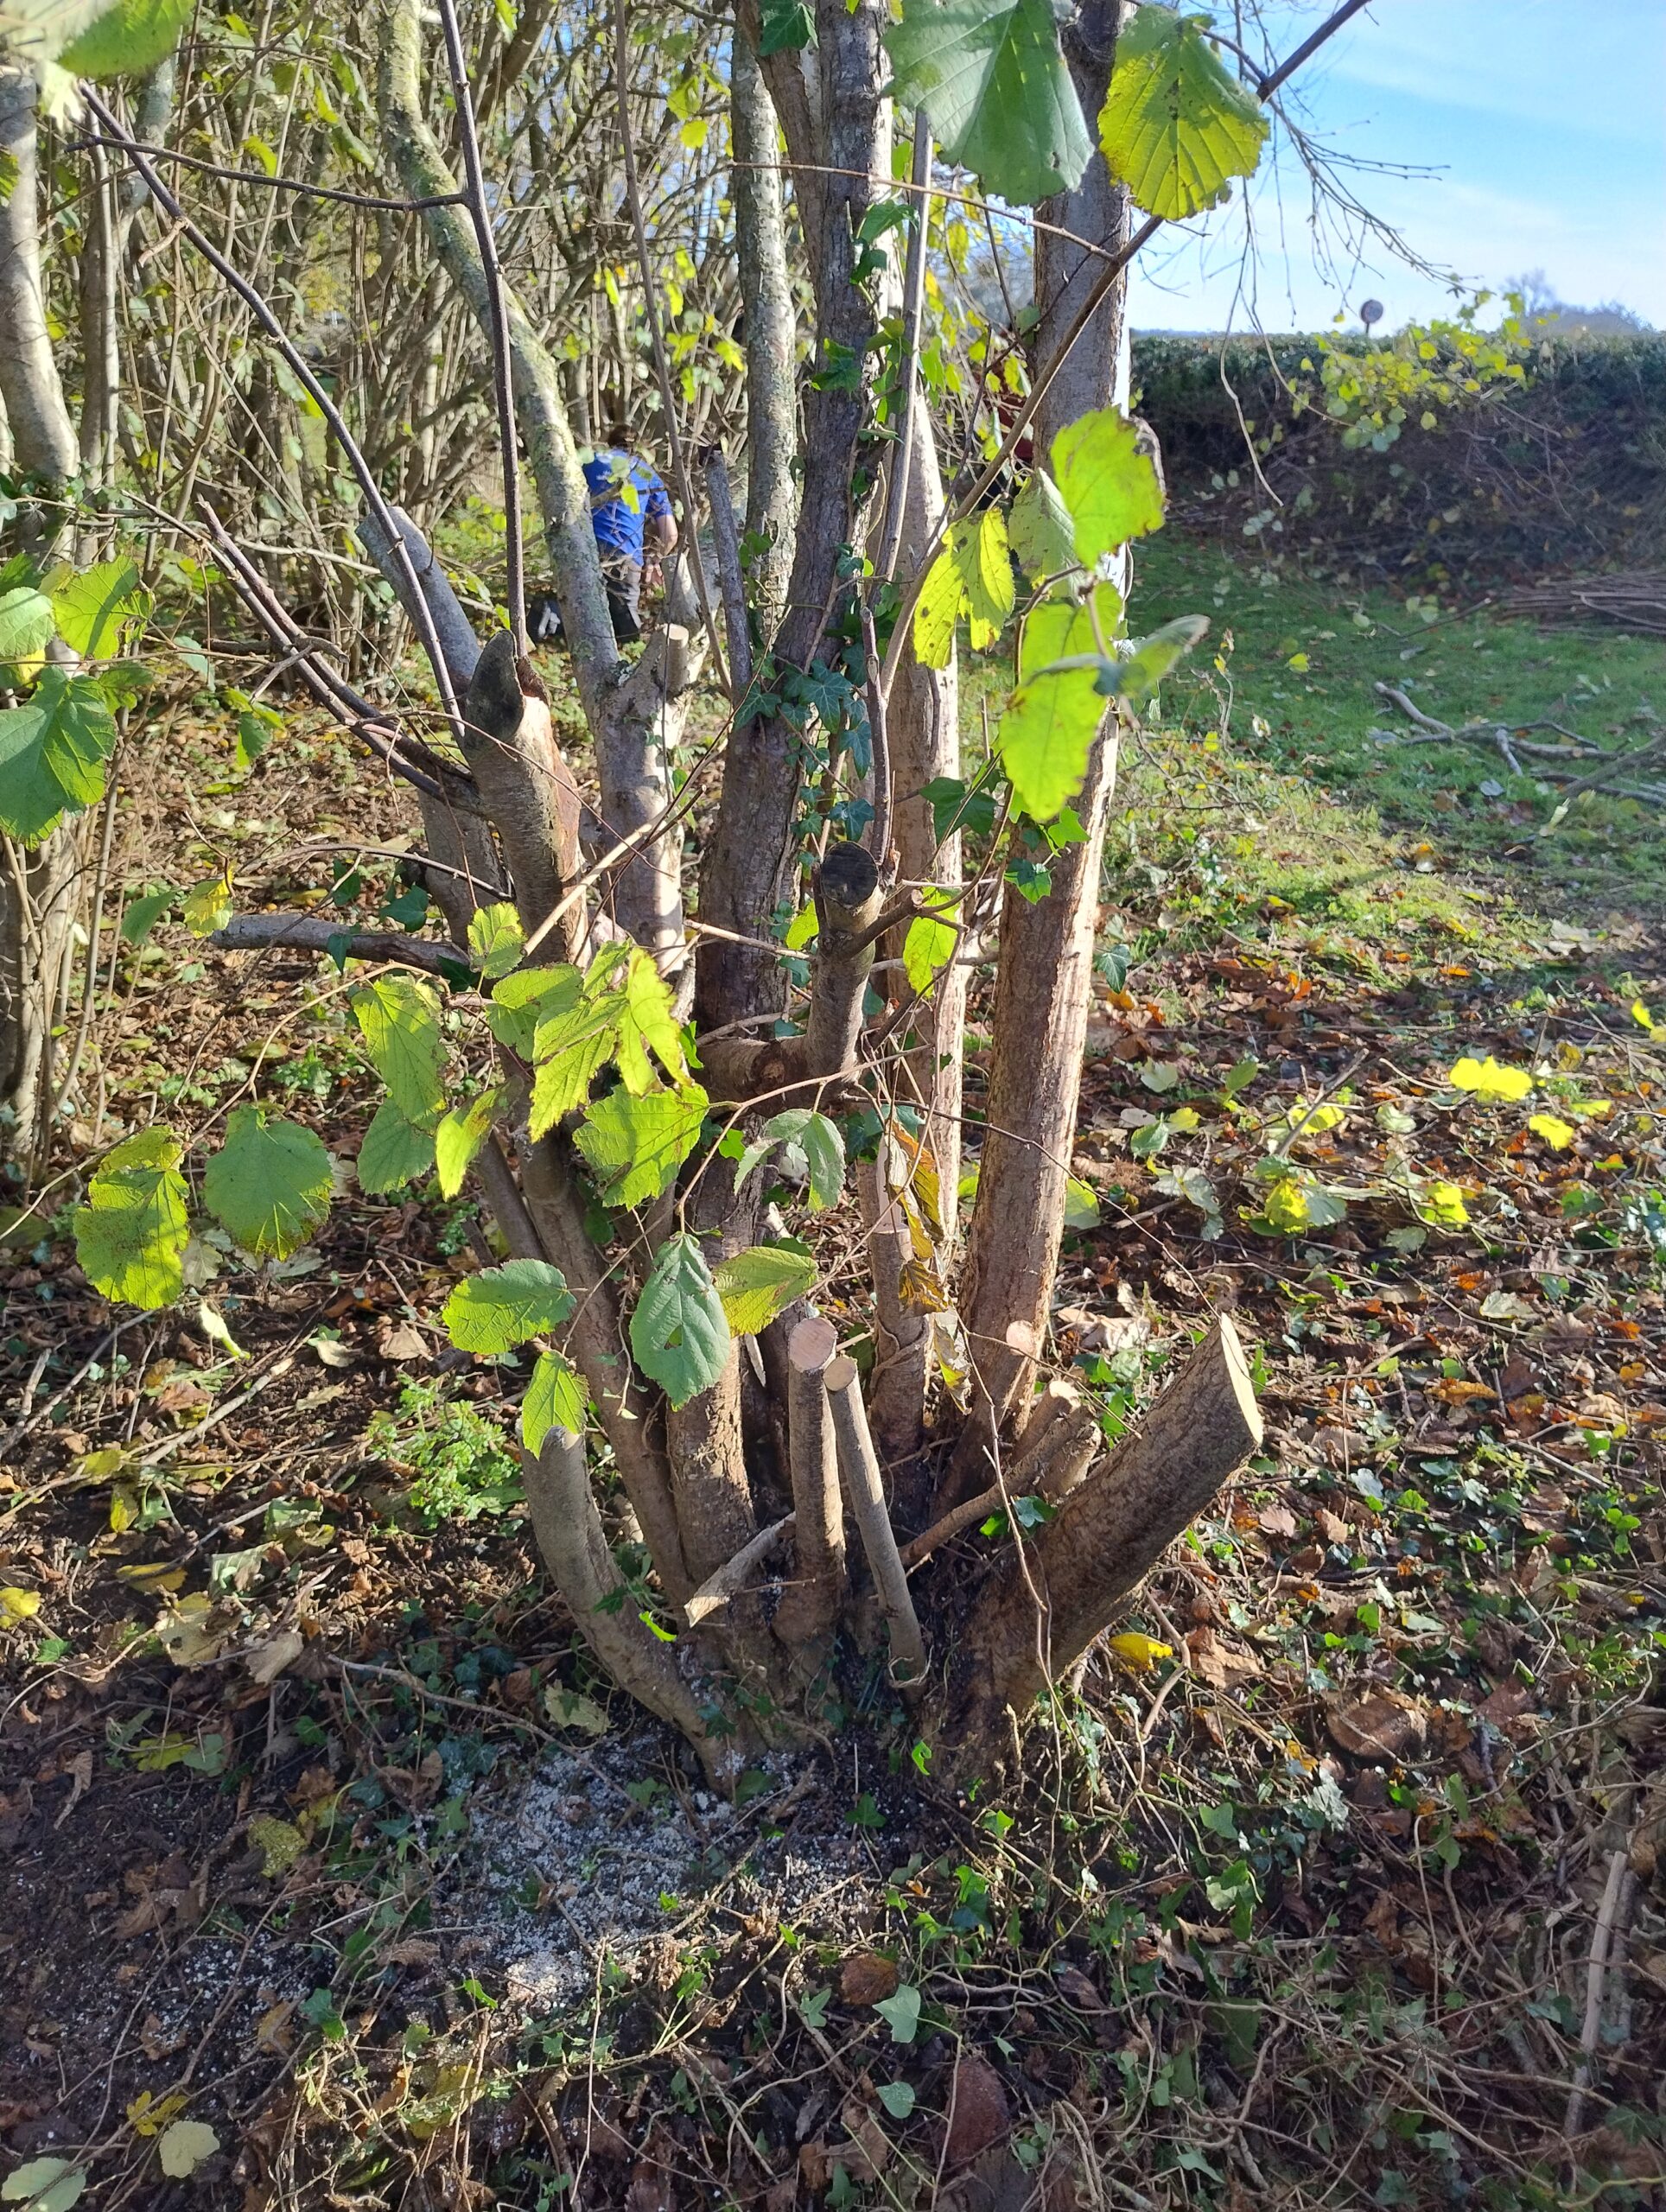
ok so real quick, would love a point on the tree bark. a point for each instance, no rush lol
(809, 1612)
(771, 325)
(43, 438)
(1062, 1588)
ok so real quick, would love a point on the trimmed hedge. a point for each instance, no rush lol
(1568, 471)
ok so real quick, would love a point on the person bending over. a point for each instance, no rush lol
(631, 513)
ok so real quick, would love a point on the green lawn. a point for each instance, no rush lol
(1290, 665)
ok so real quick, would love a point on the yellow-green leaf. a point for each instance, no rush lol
(1141, 1653)
(18, 1605)
(269, 1185)
(496, 939)
(399, 1020)
(1487, 1079)
(930, 944)
(635, 1145)
(1177, 126)
(555, 1399)
(1052, 719)
(460, 1136)
(1443, 1205)
(1107, 482)
(759, 1283)
(131, 1233)
(183, 2147)
(206, 906)
(1557, 1133)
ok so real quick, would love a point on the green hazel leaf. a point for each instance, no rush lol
(269, 1185)
(938, 609)
(648, 1023)
(501, 1307)
(1137, 674)
(679, 1332)
(127, 39)
(555, 1399)
(140, 915)
(759, 1283)
(394, 1150)
(930, 946)
(1177, 126)
(27, 626)
(97, 609)
(823, 1150)
(496, 939)
(45, 2185)
(973, 576)
(399, 1020)
(992, 78)
(53, 751)
(785, 26)
(1051, 720)
(529, 996)
(1040, 529)
(1107, 482)
(460, 1136)
(131, 1235)
(1081, 1204)
(571, 1049)
(634, 1146)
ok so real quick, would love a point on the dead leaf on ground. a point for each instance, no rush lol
(868, 1978)
(400, 1340)
(979, 2114)
(1217, 1663)
(1385, 1725)
(80, 1771)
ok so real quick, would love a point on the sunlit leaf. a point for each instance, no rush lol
(930, 944)
(972, 575)
(206, 906)
(991, 76)
(124, 39)
(1141, 1653)
(634, 1146)
(26, 626)
(18, 1605)
(500, 1307)
(45, 2185)
(1107, 482)
(460, 1136)
(53, 751)
(97, 610)
(1488, 1080)
(555, 1399)
(496, 939)
(399, 1020)
(755, 1285)
(1051, 722)
(1177, 126)
(395, 1150)
(1442, 1205)
(184, 2146)
(131, 1235)
(1557, 1133)
(1039, 526)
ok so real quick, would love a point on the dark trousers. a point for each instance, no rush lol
(624, 581)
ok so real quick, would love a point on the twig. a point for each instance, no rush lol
(274, 183)
(730, 1579)
(1602, 1951)
(316, 933)
(497, 321)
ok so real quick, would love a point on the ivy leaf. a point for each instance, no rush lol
(929, 946)
(395, 1150)
(897, 2097)
(901, 2012)
(97, 609)
(555, 1399)
(761, 1282)
(53, 751)
(269, 1185)
(679, 1331)
(1051, 720)
(126, 39)
(131, 1233)
(27, 626)
(500, 1307)
(991, 76)
(1177, 126)
(399, 1020)
(1108, 483)
(496, 939)
(1040, 528)
(635, 1145)
(973, 576)
(460, 1136)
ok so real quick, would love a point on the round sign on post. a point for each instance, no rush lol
(1371, 311)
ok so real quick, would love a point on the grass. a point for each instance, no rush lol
(1298, 652)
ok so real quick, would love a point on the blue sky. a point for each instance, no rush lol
(1538, 127)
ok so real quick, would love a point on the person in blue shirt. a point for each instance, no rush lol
(631, 513)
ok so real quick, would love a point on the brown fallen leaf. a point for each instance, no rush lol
(1277, 1521)
(979, 2114)
(869, 1978)
(1383, 1725)
(1076, 1988)
(399, 1340)
(266, 1661)
(80, 1771)
(1219, 1664)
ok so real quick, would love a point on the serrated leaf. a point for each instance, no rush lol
(460, 1136)
(1108, 483)
(529, 996)
(1442, 1205)
(634, 1146)
(1040, 528)
(929, 945)
(183, 2147)
(1177, 126)
(394, 1151)
(571, 1050)
(972, 575)
(53, 751)
(399, 1020)
(785, 26)
(555, 1399)
(269, 1185)
(1286, 1206)
(131, 1233)
(496, 939)
(97, 609)
(759, 1283)
(1489, 1079)
(1050, 720)
(45, 2185)
(679, 1332)
(992, 78)
(140, 915)
(26, 626)
(647, 1023)
(127, 39)
(500, 1307)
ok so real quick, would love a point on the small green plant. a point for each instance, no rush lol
(458, 1461)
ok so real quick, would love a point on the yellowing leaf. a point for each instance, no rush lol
(1442, 1204)
(18, 1605)
(278, 1841)
(972, 576)
(1050, 720)
(1488, 1079)
(1108, 482)
(149, 2118)
(1177, 126)
(184, 2146)
(1141, 1653)
(1557, 1133)
(1643, 1019)
(207, 905)
(1286, 1206)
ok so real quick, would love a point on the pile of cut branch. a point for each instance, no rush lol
(1634, 602)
